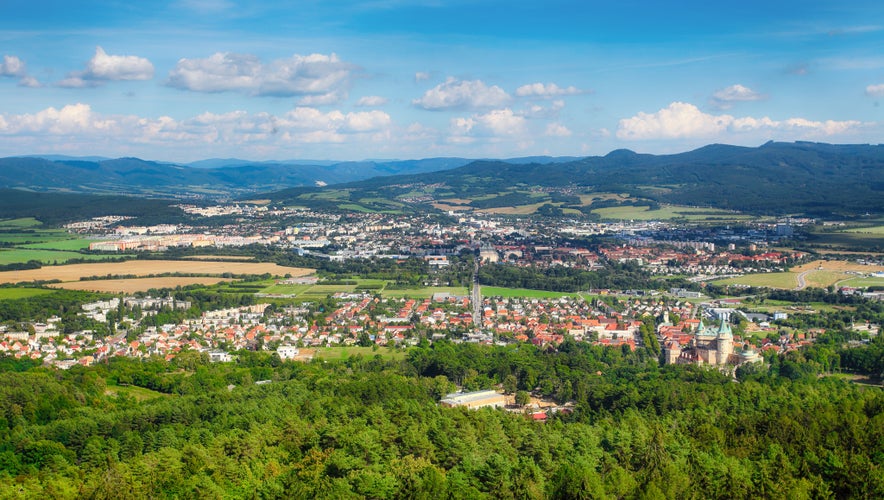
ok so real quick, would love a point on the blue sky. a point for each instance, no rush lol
(191, 79)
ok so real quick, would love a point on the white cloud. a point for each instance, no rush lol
(537, 111)
(325, 78)
(421, 76)
(726, 97)
(78, 124)
(371, 101)
(104, 67)
(12, 66)
(557, 130)
(876, 90)
(462, 94)
(685, 121)
(546, 90)
(495, 123)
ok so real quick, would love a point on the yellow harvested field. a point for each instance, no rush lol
(148, 267)
(442, 206)
(218, 257)
(136, 284)
(838, 266)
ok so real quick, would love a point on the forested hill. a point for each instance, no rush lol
(209, 178)
(773, 178)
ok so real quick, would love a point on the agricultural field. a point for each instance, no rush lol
(785, 280)
(668, 213)
(22, 293)
(133, 285)
(427, 292)
(22, 255)
(143, 268)
(494, 291)
(879, 230)
(320, 291)
(71, 245)
(819, 274)
(23, 223)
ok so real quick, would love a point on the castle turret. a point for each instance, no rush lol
(725, 342)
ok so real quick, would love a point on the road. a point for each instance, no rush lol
(477, 299)
(802, 282)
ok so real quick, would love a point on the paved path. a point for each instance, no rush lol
(802, 282)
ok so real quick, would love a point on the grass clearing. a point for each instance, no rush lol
(862, 282)
(135, 392)
(495, 291)
(344, 352)
(22, 293)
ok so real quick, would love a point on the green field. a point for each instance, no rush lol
(23, 223)
(667, 213)
(22, 255)
(68, 245)
(320, 291)
(866, 230)
(862, 282)
(495, 291)
(426, 293)
(771, 280)
(368, 352)
(22, 293)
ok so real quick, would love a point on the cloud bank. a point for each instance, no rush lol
(319, 78)
(685, 121)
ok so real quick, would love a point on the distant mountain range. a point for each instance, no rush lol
(800, 177)
(775, 178)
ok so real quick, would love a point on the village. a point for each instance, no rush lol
(295, 332)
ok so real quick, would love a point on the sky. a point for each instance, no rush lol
(185, 80)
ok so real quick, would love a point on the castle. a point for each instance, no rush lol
(710, 346)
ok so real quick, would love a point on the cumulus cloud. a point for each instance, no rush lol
(462, 94)
(685, 121)
(726, 97)
(876, 90)
(536, 111)
(12, 66)
(79, 124)
(495, 123)
(421, 76)
(546, 91)
(371, 101)
(557, 130)
(323, 77)
(104, 67)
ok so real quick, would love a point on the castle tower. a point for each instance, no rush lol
(671, 352)
(725, 342)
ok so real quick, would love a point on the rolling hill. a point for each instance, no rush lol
(775, 178)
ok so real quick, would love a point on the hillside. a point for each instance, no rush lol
(775, 178)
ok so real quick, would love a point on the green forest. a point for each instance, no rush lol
(370, 427)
